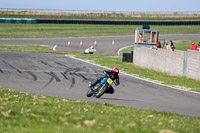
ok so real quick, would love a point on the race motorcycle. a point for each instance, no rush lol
(100, 88)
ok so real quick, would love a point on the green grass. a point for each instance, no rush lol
(30, 113)
(112, 61)
(29, 48)
(83, 30)
(126, 50)
(109, 17)
(185, 45)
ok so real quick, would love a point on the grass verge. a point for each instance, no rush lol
(31, 113)
(83, 30)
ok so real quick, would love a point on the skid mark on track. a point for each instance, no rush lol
(72, 83)
(32, 74)
(53, 76)
(64, 76)
(60, 64)
(69, 75)
(49, 82)
(84, 78)
(7, 64)
(45, 63)
(20, 73)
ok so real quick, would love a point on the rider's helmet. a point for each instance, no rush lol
(116, 70)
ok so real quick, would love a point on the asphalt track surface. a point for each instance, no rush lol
(104, 44)
(66, 77)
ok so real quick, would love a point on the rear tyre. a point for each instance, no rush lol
(101, 91)
(89, 93)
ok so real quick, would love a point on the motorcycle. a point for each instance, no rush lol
(100, 88)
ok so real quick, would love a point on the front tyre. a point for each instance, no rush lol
(89, 93)
(101, 91)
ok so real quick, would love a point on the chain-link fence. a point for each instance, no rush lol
(65, 14)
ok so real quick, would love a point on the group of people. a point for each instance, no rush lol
(169, 46)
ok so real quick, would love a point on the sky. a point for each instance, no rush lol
(107, 5)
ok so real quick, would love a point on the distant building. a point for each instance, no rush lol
(146, 36)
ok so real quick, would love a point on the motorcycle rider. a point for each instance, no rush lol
(113, 74)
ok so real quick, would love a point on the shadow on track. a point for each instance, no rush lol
(120, 99)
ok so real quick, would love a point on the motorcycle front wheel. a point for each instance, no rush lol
(89, 93)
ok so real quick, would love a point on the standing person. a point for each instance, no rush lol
(171, 45)
(199, 46)
(194, 47)
(167, 46)
(140, 38)
(158, 45)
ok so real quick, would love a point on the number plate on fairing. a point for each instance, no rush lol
(110, 81)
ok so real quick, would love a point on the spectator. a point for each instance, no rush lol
(199, 46)
(171, 45)
(140, 38)
(167, 46)
(194, 47)
(158, 45)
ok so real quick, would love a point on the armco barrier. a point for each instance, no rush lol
(103, 22)
(176, 63)
(18, 20)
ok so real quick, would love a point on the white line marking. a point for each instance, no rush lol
(134, 76)
(54, 48)
(44, 45)
(118, 52)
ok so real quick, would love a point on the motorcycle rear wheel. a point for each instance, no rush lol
(101, 91)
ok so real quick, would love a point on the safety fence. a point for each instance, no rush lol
(60, 12)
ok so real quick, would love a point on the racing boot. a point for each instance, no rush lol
(89, 84)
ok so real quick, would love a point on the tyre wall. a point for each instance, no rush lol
(102, 22)
(18, 20)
